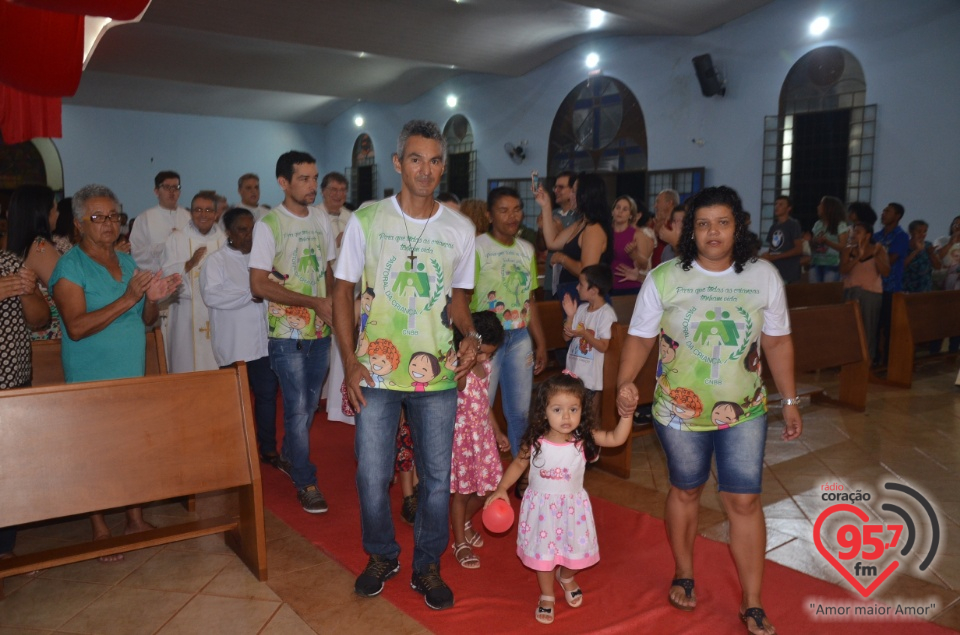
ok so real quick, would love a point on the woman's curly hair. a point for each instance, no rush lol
(582, 434)
(727, 197)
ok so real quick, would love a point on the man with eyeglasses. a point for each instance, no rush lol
(333, 189)
(184, 251)
(154, 225)
(563, 216)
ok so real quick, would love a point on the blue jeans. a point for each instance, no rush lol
(738, 450)
(824, 273)
(514, 362)
(431, 416)
(301, 372)
(263, 385)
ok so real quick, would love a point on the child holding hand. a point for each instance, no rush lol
(556, 535)
(475, 466)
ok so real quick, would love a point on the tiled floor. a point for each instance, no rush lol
(199, 586)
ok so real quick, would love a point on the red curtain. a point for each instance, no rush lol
(116, 9)
(24, 116)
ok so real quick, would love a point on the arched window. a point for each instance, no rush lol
(821, 142)
(363, 171)
(599, 127)
(460, 176)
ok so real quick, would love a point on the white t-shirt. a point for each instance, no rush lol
(582, 359)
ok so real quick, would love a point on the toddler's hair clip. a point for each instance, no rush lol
(568, 373)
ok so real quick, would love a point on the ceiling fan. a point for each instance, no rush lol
(515, 152)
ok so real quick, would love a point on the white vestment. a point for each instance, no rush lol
(239, 325)
(189, 347)
(150, 232)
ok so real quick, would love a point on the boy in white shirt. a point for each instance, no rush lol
(588, 329)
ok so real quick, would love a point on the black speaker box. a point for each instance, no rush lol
(710, 83)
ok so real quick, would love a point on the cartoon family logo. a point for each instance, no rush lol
(716, 331)
(866, 553)
(414, 289)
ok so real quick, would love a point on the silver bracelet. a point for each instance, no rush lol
(791, 401)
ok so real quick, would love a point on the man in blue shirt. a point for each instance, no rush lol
(897, 244)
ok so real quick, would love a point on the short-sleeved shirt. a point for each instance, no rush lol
(505, 277)
(895, 242)
(295, 250)
(117, 351)
(918, 275)
(780, 239)
(14, 334)
(823, 254)
(709, 375)
(409, 268)
(584, 360)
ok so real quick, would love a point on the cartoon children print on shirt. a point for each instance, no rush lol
(275, 309)
(668, 354)
(681, 405)
(366, 302)
(384, 359)
(423, 368)
(725, 414)
(296, 320)
(751, 360)
(492, 300)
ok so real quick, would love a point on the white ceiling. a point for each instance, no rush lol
(308, 61)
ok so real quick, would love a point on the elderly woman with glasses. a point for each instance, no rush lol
(104, 303)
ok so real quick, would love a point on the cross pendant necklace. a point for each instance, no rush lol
(412, 257)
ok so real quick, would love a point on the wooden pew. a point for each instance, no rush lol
(618, 460)
(814, 294)
(916, 318)
(48, 368)
(829, 336)
(79, 448)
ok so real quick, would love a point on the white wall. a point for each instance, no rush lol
(125, 149)
(908, 50)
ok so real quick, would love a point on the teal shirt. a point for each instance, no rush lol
(117, 351)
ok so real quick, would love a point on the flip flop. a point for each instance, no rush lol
(758, 615)
(687, 585)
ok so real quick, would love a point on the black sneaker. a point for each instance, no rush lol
(408, 511)
(312, 500)
(280, 463)
(435, 591)
(377, 571)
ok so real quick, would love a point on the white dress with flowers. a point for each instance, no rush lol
(556, 519)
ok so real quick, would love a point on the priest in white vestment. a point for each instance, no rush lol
(153, 226)
(188, 333)
(248, 187)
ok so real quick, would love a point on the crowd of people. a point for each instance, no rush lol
(420, 308)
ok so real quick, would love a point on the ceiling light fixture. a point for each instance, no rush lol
(452, 101)
(358, 121)
(592, 60)
(596, 18)
(819, 26)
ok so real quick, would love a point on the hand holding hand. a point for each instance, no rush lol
(628, 397)
(467, 357)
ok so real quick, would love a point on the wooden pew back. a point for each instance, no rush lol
(814, 294)
(915, 318)
(48, 368)
(85, 447)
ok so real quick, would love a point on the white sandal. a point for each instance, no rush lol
(543, 614)
(476, 540)
(574, 598)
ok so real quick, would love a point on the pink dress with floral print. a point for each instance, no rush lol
(475, 467)
(556, 519)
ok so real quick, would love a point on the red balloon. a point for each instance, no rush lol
(498, 517)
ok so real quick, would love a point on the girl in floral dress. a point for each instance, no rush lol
(475, 466)
(556, 534)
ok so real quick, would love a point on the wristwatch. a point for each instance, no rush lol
(791, 401)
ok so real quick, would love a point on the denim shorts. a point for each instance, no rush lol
(738, 450)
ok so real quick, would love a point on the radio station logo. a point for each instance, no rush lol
(867, 552)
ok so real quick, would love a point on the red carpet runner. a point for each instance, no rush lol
(625, 593)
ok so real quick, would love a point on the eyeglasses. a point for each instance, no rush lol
(170, 188)
(99, 219)
(203, 210)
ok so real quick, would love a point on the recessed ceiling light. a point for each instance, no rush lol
(452, 101)
(358, 121)
(362, 54)
(818, 26)
(596, 18)
(592, 60)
